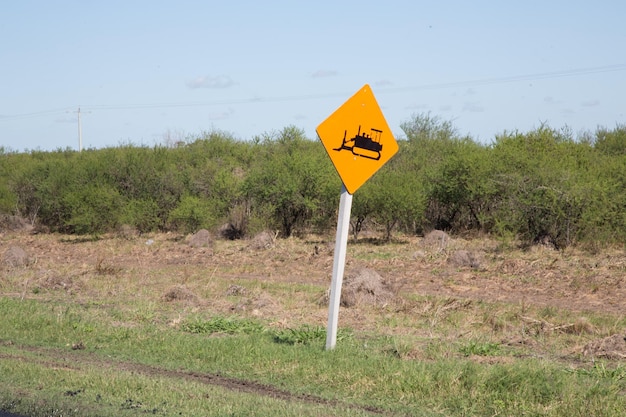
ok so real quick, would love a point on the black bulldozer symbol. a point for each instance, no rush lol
(367, 146)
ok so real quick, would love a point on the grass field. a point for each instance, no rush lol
(154, 325)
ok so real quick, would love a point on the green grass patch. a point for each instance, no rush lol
(303, 335)
(147, 367)
(480, 348)
(116, 392)
(225, 325)
(306, 335)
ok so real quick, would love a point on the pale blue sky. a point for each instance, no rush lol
(140, 70)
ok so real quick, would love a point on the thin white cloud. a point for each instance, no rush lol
(323, 73)
(590, 103)
(210, 81)
(473, 107)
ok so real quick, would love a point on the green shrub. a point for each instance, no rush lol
(192, 214)
(141, 214)
(537, 186)
(93, 209)
(611, 142)
(287, 180)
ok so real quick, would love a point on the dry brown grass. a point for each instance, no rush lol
(529, 299)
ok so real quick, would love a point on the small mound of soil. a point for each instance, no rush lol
(363, 287)
(179, 293)
(201, 239)
(16, 257)
(464, 258)
(612, 347)
(263, 240)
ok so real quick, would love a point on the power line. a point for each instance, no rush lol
(34, 114)
(432, 86)
(514, 78)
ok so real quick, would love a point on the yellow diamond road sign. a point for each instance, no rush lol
(357, 139)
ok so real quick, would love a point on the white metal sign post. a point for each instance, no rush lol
(341, 244)
(358, 142)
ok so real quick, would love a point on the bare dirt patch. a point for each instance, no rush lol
(434, 265)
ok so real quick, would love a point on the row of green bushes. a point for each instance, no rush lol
(543, 185)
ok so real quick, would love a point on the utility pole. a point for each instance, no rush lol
(80, 133)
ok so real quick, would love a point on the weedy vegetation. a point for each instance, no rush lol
(113, 303)
(208, 338)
